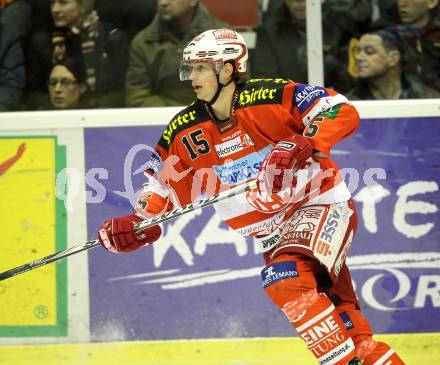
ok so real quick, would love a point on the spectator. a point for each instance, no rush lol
(41, 16)
(281, 48)
(421, 29)
(79, 33)
(353, 18)
(4, 3)
(418, 23)
(378, 59)
(386, 12)
(12, 72)
(153, 72)
(416, 13)
(67, 85)
(281, 43)
(132, 15)
(16, 13)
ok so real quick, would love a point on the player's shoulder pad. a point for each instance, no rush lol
(261, 91)
(186, 118)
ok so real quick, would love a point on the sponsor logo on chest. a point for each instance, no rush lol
(234, 145)
(241, 169)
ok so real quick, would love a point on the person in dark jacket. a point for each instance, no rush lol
(418, 24)
(12, 72)
(79, 33)
(421, 30)
(281, 47)
(18, 14)
(281, 44)
(378, 60)
(132, 15)
(153, 71)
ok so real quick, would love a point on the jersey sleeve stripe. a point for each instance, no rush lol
(322, 105)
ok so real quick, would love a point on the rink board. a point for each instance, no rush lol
(201, 280)
(33, 224)
(414, 349)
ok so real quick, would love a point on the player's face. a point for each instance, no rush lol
(174, 9)
(371, 57)
(203, 80)
(64, 90)
(65, 12)
(415, 11)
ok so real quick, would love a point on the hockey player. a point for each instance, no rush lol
(301, 213)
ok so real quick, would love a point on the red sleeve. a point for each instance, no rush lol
(329, 127)
(170, 171)
(323, 115)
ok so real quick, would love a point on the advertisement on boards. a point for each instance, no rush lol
(202, 280)
(33, 225)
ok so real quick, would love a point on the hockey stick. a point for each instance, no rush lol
(141, 225)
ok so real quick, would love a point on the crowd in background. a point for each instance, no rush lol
(65, 54)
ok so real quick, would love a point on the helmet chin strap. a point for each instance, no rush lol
(219, 89)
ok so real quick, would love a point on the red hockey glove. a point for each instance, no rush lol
(118, 234)
(286, 157)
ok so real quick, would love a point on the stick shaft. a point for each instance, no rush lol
(141, 225)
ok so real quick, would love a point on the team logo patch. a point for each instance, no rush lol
(234, 145)
(155, 164)
(278, 271)
(301, 228)
(306, 95)
(347, 320)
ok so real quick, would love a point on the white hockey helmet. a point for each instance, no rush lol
(216, 46)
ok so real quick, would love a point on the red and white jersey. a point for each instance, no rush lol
(197, 156)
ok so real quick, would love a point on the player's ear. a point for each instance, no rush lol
(227, 69)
